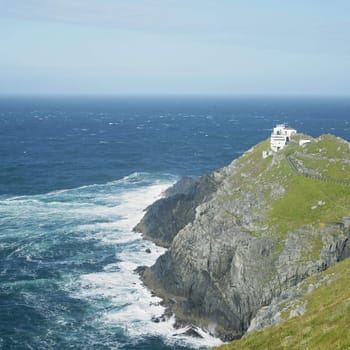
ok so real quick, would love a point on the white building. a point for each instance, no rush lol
(280, 136)
(303, 142)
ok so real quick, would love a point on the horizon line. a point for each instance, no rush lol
(167, 95)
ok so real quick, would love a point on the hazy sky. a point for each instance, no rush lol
(175, 47)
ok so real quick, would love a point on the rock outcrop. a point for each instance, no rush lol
(167, 216)
(312, 315)
(243, 236)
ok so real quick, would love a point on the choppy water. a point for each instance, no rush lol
(75, 177)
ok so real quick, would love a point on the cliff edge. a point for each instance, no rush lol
(247, 233)
(315, 315)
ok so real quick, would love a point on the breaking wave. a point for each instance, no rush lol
(67, 269)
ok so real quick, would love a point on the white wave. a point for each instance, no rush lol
(134, 306)
(104, 213)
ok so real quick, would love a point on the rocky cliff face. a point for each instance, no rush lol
(167, 216)
(312, 315)
(259, 229)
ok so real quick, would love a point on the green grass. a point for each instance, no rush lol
(251, 167)
(252, 163)
(299, 206)
(324, 326)
(337, 169)
(304, 202)
(329, 146)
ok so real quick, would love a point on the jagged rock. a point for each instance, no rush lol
(227, 256)
(157, 319)
(290, 303)
(167, 216)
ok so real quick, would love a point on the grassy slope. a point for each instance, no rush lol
(299, 205)
(325, 325)
(305, 202)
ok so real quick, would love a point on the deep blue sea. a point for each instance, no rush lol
(75, 176)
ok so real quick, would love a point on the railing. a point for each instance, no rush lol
(307, 174)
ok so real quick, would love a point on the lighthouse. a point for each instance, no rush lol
(280, 136)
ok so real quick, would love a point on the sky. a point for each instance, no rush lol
(175, 47)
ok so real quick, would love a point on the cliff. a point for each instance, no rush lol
(314, 315)
(167, 216)
(262, 227)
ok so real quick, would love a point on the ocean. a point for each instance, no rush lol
(76, 174)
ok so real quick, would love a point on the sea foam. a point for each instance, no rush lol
(86, 235)
(133, 305)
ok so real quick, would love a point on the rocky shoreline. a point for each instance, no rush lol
(167, 216)
(228, 257)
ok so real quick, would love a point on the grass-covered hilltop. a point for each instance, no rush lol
(302, 185)
(243, 238)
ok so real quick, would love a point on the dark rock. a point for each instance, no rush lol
(148, 251)
(224, 261)
(167, 216)
(186, 185)
(157, 319)
(140, 270)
